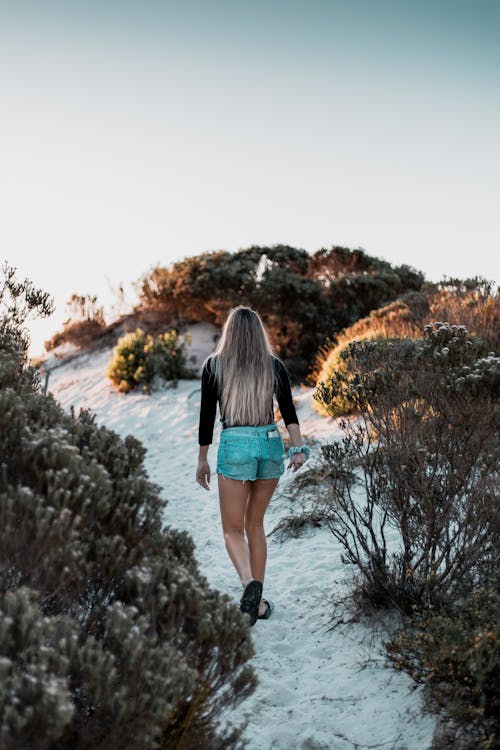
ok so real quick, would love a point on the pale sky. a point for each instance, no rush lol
(137, 133)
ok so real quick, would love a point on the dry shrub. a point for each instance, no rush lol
(305, 491)
(81, 333)
(475, 307)
(85, 324)
(425, 450)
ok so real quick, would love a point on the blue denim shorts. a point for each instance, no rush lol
(248, 453)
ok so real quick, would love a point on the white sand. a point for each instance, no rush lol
(318, 690)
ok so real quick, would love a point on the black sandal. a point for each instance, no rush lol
(268, 611)
(251, 599)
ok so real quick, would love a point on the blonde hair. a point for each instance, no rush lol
(243, 366)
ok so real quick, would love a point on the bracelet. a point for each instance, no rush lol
(299, 449)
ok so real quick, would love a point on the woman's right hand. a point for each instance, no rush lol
(203, 474)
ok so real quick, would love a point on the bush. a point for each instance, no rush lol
(455, 652)
(473, 303)
(425, 450)
(140, 359)
(19, 301)
(356, 283)
(399, 319)
(110, 636)
(85, 324)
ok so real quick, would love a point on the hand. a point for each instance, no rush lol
(297, 460)
(203, 474)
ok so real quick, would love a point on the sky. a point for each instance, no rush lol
(138, 133)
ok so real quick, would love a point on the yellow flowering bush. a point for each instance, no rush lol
(139, 358)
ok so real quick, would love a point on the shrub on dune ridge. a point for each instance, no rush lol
(85, 324)
(356, 283)
(272, 280)
(473, 303)
(111, 637)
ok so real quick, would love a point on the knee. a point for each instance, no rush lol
(231, 531)
(254, 526)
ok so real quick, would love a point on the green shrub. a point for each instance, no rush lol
(474, 303)
(139, 359)
(455, 652)
(110, 637)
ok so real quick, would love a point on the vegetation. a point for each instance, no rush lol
(118, 633)
(474, 303)
(454, 651)
(302, 297)
(410, 493)
(85, 324)
(110, 636)
(139, 359)
(422, 446)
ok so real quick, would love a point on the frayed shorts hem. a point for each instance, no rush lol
(246, 479)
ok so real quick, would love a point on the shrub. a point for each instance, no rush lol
(395, 320)
(272, 280)
(110, 636)
(140, 359)
(306, 491)
(473, 303)
(85, 324)
(19, 301)
(455, 653)
(425, 451)
(356, 283)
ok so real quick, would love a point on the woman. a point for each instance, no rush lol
(242, 375)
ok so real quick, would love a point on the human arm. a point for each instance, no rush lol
(289, 414)
(208, 407)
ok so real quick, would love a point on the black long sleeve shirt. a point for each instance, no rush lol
(210, 397)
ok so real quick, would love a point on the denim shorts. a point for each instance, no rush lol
(248, 453)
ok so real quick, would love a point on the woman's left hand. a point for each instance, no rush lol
(297, 460)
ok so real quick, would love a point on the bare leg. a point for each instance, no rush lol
(260, 494)
(233, 495)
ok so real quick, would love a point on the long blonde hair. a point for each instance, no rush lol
(243, 365)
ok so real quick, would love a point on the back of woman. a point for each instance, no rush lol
(242, 375)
